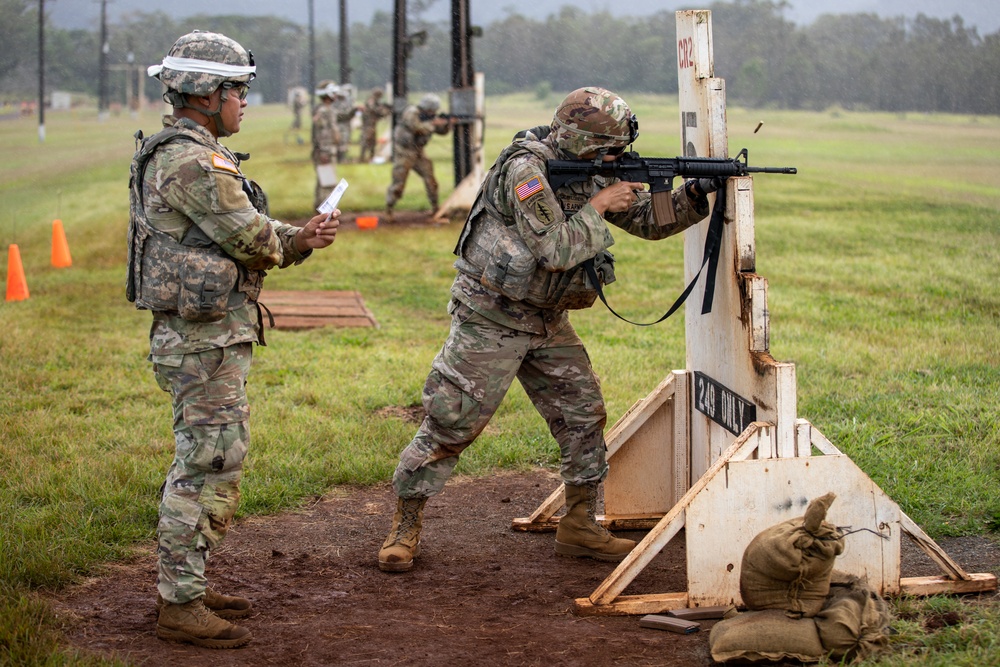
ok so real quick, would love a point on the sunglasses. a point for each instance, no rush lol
(242, 89)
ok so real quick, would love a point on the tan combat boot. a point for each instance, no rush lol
(403, 543)
(580, 535)
(193, 623)
(223, 606)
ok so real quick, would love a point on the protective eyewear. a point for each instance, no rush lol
(242, 89)
(633, 134)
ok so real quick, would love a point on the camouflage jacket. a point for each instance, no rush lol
(412, 131)
(374, 110)
(560, 228)
(325, 134)
(188, 183)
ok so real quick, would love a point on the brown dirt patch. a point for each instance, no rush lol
(480, 594)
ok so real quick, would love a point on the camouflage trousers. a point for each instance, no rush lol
(468, 380)
(202, 489)
(403, 161)
(369, 140)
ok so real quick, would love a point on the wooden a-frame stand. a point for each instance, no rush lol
(717, 449)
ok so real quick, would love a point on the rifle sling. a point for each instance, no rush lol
(713, 247)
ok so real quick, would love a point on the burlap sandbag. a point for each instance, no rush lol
(788, 565)
(855, 619)
(765, 635)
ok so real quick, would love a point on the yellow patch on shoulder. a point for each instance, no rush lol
(224, 163)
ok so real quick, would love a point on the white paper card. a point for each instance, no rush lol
(331, 202)
(326, 175)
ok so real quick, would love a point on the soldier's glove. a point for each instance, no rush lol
(706, 186)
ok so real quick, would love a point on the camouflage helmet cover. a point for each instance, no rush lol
(429, 103)
(593, 119)
(199, 62)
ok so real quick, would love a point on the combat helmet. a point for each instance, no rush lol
(200, 62)
(429, 103)
(593, 119)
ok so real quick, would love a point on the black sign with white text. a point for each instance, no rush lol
(722, 405)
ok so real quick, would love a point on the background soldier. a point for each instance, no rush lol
(413, 132)
(325, 141)
(344, 110)
(519, 272)
(372, 112)
(200, 241)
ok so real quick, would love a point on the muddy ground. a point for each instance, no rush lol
(481, 594)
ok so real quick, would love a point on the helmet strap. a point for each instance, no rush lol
(180, 101)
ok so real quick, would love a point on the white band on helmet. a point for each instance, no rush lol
(203, 66)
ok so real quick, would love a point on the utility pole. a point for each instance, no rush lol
(41, 71)
(312, 55)
(462, 83)
(400, 51)
(345, 60)
(102, 74)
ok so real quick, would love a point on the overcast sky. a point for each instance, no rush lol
(983, 14)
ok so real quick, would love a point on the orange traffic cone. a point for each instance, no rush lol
(17, 286)
(60, 248)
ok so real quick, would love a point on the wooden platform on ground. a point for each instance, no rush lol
(295, 310)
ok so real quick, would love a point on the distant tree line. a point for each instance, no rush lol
(855, 61)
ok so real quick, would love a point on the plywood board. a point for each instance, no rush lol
(755, 494)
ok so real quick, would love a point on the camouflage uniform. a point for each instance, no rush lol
(325, 142)
(343, 109)
(372, 112)
(412, 133)
(195, 181)
(495, 338)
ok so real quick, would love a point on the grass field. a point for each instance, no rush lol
(883, 260)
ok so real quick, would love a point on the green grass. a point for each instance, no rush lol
(882, 256)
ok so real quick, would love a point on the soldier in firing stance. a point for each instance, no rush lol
(520, 271)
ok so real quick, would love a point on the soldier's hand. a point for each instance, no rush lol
(616, 198)
(319, 232)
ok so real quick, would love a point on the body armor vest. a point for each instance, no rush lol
(193, 277)
(491, 250)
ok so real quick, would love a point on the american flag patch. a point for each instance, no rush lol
(220, 162)
(528, 188)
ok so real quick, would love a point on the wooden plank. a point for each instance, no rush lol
(982, 582)
(662, 533)
(629, 605)
(948, 566)
(803, 438)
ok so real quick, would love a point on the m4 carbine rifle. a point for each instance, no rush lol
(658, 172)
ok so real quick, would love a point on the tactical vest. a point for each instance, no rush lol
(193, 277)
(491, 250)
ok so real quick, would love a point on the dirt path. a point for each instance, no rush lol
(481, 594)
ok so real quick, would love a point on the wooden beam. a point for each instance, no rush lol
(665, 530)
(628, 605)
(949, 567)
(976, 583)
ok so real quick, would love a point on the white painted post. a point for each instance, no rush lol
(727, 348)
